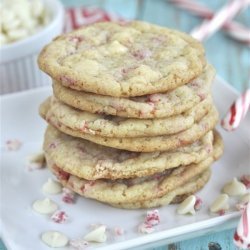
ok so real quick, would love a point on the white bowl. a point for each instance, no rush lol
(18, 60)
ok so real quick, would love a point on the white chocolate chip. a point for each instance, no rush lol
(245, 198)
(54, 239)
(97, 235)
(37, 8)
(17, 34)
(234, 188)
(221, 203)
(52, 187)
(45, 206)
(117, 48)
(187, 206)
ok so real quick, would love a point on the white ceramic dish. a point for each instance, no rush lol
(18, 66)
(21, 227)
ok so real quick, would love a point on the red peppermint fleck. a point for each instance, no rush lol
(145, 228)
(59, 217)
(152, 218)
(202, 96)
(245, 179)
(67, 80)
(61, 174)
(198, 204)
(13, 145)
(76, 39)
(221, 212)
(125, 71)
(52, 145)
(68, 196)
(118, 231)
(78, 244)
(141, 54)
(87, 186)
(154, 98)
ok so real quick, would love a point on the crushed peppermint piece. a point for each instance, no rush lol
(245, 179)
(152, 218)
(146, 228)
(36, 161)
(59, 217)
(118, 231)
(78, 244)
(198, 204)
(68, 196)
(221, 212)
(13, 145)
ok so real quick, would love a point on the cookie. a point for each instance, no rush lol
(136, 189)
(176, 196)
(113, 126)
(71, 154)
(142, 144)
(158, 105)
(123, 59)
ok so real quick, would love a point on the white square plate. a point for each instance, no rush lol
(21, 227)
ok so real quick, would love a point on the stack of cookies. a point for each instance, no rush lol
(131, 121)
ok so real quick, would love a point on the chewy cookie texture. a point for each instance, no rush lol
(132, 119)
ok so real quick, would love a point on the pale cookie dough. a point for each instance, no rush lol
(112, 126)
(137, 189)
(72, 153)
(173, 197)
(123, 59)
(158, 105)
(143, 144)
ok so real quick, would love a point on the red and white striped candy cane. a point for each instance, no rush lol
(233, 29)
(79, 16)
(207, 28)
(242, 234)
(237, 112)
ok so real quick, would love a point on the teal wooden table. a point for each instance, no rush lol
(230, 58)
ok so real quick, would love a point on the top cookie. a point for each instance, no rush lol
(123, 59)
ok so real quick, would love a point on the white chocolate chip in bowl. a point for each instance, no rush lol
(234, 188)
(52, 187)
(45, 206)
(25, 30)
(54, 239)
(220, 203)
(187, 206)
(97, 235)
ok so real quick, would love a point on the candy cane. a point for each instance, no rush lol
(232, 28)
(207, 28)
(242, 234)
(237, 112)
